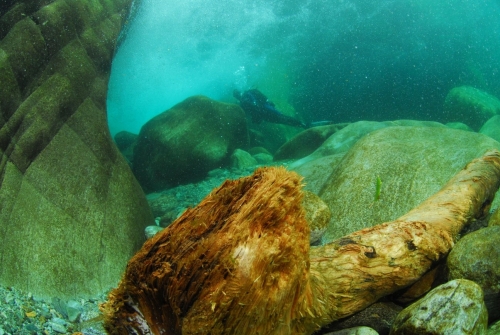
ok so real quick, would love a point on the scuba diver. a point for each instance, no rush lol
(258, 106)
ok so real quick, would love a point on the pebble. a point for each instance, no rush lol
(23, 314)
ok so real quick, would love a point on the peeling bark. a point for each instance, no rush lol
(240, 262)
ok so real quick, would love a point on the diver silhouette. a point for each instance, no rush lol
(260, 108)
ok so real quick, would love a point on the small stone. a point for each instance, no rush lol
(8, 298)
(240, 159)
(151, 231)
(74, 310)
(58, 328)
(59, 321)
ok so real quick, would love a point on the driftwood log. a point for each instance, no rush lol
(240, 262)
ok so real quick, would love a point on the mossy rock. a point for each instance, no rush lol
(71, 212)
(304, 143)
(476, 257)
(491, 128)
(182, 144)
(87, 13)
(99, 41)
(471, 106)
(26, 50)
(74, 219)
(10, 95)
(74, 63)
(50, 19)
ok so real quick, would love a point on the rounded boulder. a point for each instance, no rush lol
(182, 144)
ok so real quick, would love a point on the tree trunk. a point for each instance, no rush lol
(239, 263)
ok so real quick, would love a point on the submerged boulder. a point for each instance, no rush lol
(183, 143)
(304, 143)
(411, 163)
(342, 140)
(471, 106)
(492, 128)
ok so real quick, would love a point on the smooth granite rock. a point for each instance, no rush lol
(71, 212)
(412, 163)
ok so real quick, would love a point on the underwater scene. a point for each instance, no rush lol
(249, 167)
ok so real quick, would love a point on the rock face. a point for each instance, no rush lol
(125, 141)
(71, 212)
(470, 106)
(456, 307)
(182, 144)
(411, 162)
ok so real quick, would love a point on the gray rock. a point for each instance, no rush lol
(454, 308)
(471, 106)
(64, 185)
(73, 310)
(477, 257)
(58, 328)
(151, 231)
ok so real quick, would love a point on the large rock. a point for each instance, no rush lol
(412, 163)
(342, 140)
(471, 106)
(304, 143)
(317, 171)
(71, 212)
(492, 128)
(456, 308)
(182, 144)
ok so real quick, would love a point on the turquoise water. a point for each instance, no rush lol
(344, 60)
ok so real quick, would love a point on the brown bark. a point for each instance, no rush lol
(239, 263)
